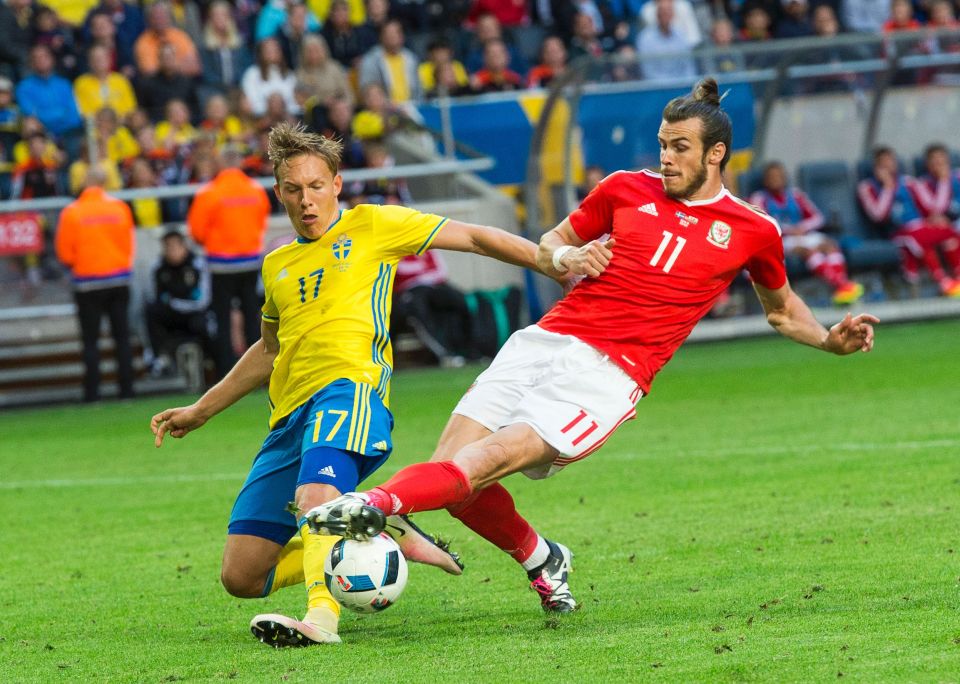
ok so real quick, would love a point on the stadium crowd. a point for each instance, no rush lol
(151, 92)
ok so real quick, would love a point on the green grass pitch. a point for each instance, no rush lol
(773, 514)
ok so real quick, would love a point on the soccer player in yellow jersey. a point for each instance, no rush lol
(325, 349)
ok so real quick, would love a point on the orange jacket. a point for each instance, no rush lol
(95, 239)
(228, 217)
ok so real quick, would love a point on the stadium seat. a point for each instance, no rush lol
(748, 182)
(830, 187)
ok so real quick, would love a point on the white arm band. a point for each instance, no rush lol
(558, 255)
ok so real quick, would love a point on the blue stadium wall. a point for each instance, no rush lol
(618, 129)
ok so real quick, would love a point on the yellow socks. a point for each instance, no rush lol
(289, 568)
(322, 609)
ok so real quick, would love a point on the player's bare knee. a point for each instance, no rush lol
(240, 584)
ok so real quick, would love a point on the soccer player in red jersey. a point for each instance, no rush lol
(558, 389)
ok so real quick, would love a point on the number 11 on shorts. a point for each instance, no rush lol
(579, 427)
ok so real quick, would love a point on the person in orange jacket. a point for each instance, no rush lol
(228, 218)
(95, 240)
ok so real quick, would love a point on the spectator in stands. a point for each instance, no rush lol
(508, 12)
(79, 169)
(340, 116)
(795, 21)
(662, 38)
(37, 174)
(103, 87)
(276, 112)
(292, 33)
(346, 42)
(865, 16)
(228, 218)
(10, 125)
(436, 311)
(726, 58)
(378, 117)
(356, 10)
(185, 15)
(888, 199)
(16, 37)
(938, 190)
(125, 17)
(148, 212)
(324, 78)
(553, 63)
(257, 163)
(440, 52)
(626, 66)
(161, 33)
(800, 222)
(50, 31)
(220, 123)
(757, 23)
(167, 84)
(21, 150)
(224, 56)
(446, 83)
(378, 190)
(269, 74)
(684, 19)
(378, 14)
(95, 241)
(176, 309)
(103, 34)
(392, 66)
(901, 17)
(161, 160)
(175, 132)
(49, 97)
(488, 28)
(496, 75)
(275, 14)
(592, 175)
(201, 167)
(118, 143)
(415, 15)
(585, 39)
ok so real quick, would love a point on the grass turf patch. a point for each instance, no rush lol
(773, 514)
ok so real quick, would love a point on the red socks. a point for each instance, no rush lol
(492, 514)
(422, 487)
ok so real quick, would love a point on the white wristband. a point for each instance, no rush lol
(558, 255)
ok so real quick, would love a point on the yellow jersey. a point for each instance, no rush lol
(332, 299)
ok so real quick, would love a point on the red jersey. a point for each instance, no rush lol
(672, 260)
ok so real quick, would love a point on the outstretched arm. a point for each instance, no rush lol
(492, 242)
(252, 371)
(791, 317)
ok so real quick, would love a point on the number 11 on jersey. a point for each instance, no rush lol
(667, 237)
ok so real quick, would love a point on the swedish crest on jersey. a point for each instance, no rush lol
(719, 234)
(341, 250)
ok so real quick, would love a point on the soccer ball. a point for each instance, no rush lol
(366, 577)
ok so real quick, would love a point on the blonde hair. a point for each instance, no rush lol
(292, 140)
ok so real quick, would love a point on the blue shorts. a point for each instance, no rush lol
(338, 437)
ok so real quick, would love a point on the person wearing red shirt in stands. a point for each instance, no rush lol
(496, 75)
(509, 12)
(558, 389)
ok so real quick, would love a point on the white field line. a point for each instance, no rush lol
(716, 451)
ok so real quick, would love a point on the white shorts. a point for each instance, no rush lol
(808, 241)
(572, 395)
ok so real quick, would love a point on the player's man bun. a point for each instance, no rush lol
(708, 91)
(703, 103)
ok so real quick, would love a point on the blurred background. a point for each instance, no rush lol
(503, 113)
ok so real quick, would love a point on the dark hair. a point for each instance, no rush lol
(703, 103)
(881, 151)
(933, 148)
(772, 164)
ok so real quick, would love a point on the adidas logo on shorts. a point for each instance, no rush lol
(328, 471)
